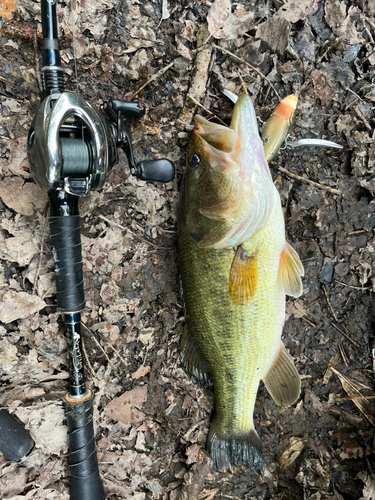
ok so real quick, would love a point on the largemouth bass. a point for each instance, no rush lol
(236, 269)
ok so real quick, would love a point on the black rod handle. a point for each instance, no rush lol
(15, 442)
(83, 461)
(66, 241)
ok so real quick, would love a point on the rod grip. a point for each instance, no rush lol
(67, 254)
(83, 461)
(15, 442)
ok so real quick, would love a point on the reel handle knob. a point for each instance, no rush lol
(155, 170)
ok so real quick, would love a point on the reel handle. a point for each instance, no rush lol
(155, 170)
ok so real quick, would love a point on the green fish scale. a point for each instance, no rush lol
(238, 342)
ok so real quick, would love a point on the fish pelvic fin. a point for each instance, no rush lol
(282, 380)
(243, 277)
(237, 449)
(290, 271)
(192, 360)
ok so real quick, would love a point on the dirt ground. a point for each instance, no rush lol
(151, 420)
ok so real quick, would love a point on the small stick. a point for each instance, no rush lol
(308, 321)
(343, 355)
(308, 181)
(197, 87)
(36, 51)
(329, 303)
(345, 335)
(249, 65)
(128, 230)
(111, 346)
(350, 286)
(356, 95)
(352, 398)
(203, 107)
(156, 75)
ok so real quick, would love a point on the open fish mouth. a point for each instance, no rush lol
(232, 157)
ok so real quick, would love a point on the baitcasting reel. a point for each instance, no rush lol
(72, 146)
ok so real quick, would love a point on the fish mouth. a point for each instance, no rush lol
(238, 140)
(216, 136)
(234, 163)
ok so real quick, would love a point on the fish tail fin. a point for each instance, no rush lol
(235, 448)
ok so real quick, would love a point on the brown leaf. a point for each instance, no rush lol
(346, 24)
(275, 33)
(21, 196)
(222, 24)
(323, 87)
(297, 10)
(141, 372)
(297, 308)
(22, 247)
(189, 31)
(193, 454)
(7, 7)
(292, 451)
(16, 305)
(353, 390)
(126, 408)
(13, 481)
(350, 449)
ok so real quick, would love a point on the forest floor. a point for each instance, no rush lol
(151, 420)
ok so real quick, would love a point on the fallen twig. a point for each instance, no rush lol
(345, 335)
(308, 181)
(198, 82)
(156, 75)
(329, 303)
(249, 65)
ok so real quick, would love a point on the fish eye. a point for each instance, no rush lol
(194, 160)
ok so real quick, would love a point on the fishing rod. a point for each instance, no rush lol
(71, 147)
(16, 444)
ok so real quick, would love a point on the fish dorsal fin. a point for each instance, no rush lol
(193, 361)
(282, 380)
(243, 277)
(290, 272)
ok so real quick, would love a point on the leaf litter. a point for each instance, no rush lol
(176, 58)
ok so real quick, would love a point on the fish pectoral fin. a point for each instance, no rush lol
(243, 277)
(282, 380)
(193, 361)
(290, 271)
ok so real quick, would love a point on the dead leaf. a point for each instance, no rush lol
(193, 454)
(369, 489)
(346, 24)
(323, 87)
(353, 390)
(189, 31)
(292, 451)
(13, 481)
(297, 308)
(46, 427)
(7, 8)
(297, 10)
(141, 372)
(18, 305)
(20, 248)
(222, 24)
(21, 196)
(275, 33)
(350, 449)
(126, 408)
